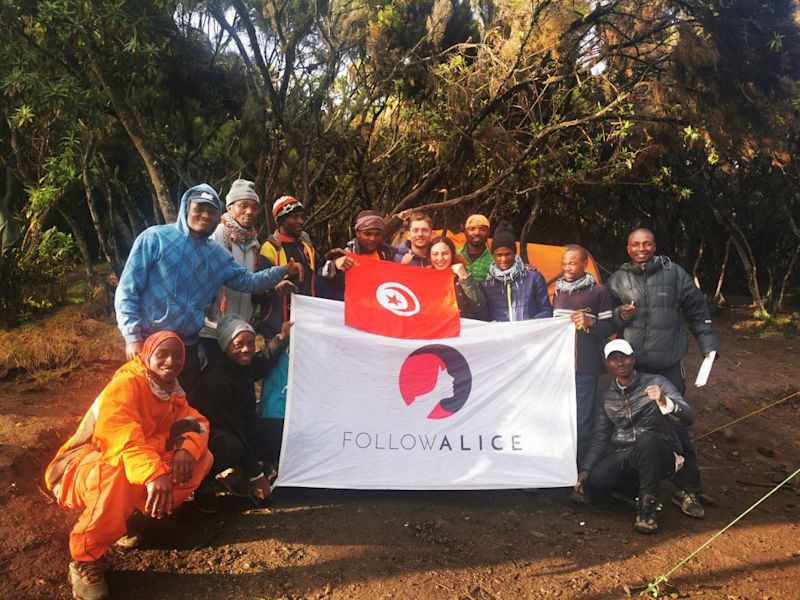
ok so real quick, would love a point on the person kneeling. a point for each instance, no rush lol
(139, 446)
(240, 440)
(633, 417)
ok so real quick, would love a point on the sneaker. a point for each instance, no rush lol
(87, 580)
(689, 504)
(645, 521)
(205, 499)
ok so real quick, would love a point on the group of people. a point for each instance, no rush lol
(181, 416)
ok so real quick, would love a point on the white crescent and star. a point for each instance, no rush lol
(397, 298)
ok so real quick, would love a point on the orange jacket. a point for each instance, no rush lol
(129, 426)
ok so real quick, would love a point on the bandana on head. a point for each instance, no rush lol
(154, 341)
(369, 219)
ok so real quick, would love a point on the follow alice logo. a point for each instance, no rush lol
(436, 372)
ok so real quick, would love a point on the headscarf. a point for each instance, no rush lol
(150, 344)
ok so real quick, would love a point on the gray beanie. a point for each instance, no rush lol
(241, 189)
(229, 327)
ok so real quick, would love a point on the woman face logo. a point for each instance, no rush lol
(437, 373)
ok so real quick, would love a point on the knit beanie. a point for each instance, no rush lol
(284, 206)
(241, 189)
(504, 237)
(229, 327)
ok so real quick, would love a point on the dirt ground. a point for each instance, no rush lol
(456, 545)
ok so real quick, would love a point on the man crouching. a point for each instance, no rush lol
(634, 417)
(139, 446)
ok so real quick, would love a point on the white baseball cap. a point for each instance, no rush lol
(618, 346)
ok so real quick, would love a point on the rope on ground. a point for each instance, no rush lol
(653, 588)
(747, 416)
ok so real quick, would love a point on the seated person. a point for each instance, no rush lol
(442, 255)
(139, 446)
(226, 396)
(514, 292)
(633, 419)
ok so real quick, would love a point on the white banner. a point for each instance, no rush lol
(493, 408)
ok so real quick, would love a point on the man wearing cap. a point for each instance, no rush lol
(173, 273)
(634, 444)
(236, 233)
(289, 242)
(239, 439)
(475, 251)
(653, 297)
(368, 243)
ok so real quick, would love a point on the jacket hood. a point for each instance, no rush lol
(182, 225)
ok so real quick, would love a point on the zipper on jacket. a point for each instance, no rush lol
(630, 415)
(508, 297)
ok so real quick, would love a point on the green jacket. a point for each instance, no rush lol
(480, 266)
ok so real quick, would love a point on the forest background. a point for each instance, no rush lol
(577, 120)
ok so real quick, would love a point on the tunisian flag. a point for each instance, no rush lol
(400, 301)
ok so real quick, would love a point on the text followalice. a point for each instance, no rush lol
(432, 442)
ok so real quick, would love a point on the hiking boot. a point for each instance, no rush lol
(645, 521)
(205, 499)
(689, 504)
(580, 497)
(87, 579)
(236, 485)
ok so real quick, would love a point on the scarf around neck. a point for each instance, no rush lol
(567, 287)
(233, 232)
(514, 273)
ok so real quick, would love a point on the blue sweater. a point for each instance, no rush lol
(171, 277)
(527, 296)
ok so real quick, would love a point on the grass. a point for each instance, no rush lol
(60, 343)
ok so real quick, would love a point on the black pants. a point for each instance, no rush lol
(644, 464)
(190, 375)
(688, 478)
(264, 439)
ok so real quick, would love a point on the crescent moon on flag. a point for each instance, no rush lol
(397, 298)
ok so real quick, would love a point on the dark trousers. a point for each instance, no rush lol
(644, 464)
(264, 439)
(585, 391)
(688, 478)
(190, 375)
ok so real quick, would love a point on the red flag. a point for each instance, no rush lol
(400, 301)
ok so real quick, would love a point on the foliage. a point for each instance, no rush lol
(578, 120)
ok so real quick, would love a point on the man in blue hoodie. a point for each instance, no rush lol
(172, 274)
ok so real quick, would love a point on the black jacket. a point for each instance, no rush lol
(662, 291)
(226, 397)
(330, 283)
(623, 413)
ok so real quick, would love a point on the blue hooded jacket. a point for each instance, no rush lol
(171, 277)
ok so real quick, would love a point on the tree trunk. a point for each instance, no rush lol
(80, 241)
(719, 299)
(786, 277)
(132, 126)
(87, 185)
